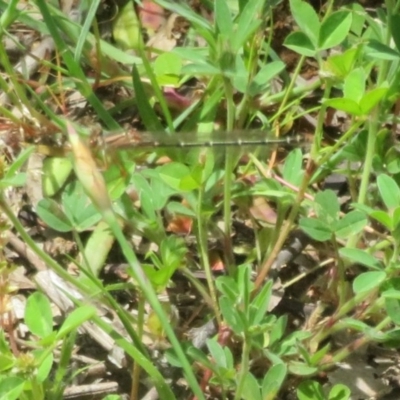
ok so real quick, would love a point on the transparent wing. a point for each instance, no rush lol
(194, 139)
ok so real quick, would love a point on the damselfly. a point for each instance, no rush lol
(133, 138)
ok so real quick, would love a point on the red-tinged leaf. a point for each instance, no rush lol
(216, 262)
(262, 211)
(151, 15)
(180, 225)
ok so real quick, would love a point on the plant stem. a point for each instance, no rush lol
(202, 243)
(286, 229)
(136, 367)
(229, 165)
(289, 89)
(244, 369)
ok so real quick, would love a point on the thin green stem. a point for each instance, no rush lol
(341, 281)
(295, 92)
(286, 229)
(346, 308)
(330, 153)
(356, 344)
(287, 226)
(319, 130)
(289, 89)
(244, 368)
(202, 243)
(229, 166)
(329, 8)
(136, 367)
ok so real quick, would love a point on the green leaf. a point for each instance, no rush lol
(193, 54)
(389, 191)
(227, 286)
(55, 173)
(158, 190)
(310, 390)
(346, 105)
(7, 359)
(341, 64)
(371, 99)
(167, 68)
(16, 180)
(18, 164)
(7, 362)
(368, 281)
(75, 319)
(51, 214)
(261, 303)
(4, 345)
(326, 205)
(334, 29)
(394, 25)
(231, 316)
(383, 217)
(200, 68)
(361, 257)
(126, 28)
(391, 288)
(354, 85)
(300, 43)
(376, 49)
(301, 369)
(223, 18)
(273, 381)
(391, 293)
(193, 353)
(293, 171)
(307, 19)
(288, 344)
(392, 160)
(278, 329)
(320, 354)
(186, 12)
(45, 366)
(318, 230)
(339, 392)
(78, 207)
(393, 309)
(11, 388)
(117, 181)
(241, 77)
(390, 338)
(351, 224)
(354, 324)
(247, 23)
(178, 176)
(244, 285)
(251, 388)
(98, 247)
(38, 316)
(174, 207)
(396, 218)
(262, 80)
(217, 353)
(148, 115)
